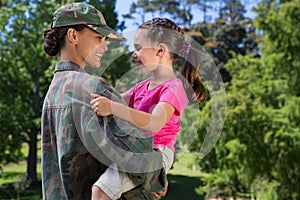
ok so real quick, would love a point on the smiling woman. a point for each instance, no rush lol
(77, 146)
(89, 47)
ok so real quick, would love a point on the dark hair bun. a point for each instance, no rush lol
(51, 43)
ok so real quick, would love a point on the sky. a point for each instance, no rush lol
(123, 6)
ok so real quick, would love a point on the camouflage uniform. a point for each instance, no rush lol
(77, 145)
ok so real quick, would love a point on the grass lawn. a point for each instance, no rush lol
(13, 174)
(183, 179)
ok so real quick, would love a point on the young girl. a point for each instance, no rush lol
(157, 103)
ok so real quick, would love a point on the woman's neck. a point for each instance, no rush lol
(68, 54)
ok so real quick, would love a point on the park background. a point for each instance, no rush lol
(257, 55)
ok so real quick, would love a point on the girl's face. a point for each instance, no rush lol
(91, 46)
(145, 52)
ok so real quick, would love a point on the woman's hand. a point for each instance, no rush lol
(102, 106)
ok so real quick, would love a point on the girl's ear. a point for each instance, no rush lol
(72, 36)
(161, 49)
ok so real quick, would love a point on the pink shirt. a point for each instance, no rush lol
(172, 92)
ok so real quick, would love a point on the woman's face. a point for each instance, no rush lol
(145, 52)
(90, 48)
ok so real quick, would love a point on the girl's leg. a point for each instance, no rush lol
(167, 158)
(111, 184)
(167, 161)
(98, 194)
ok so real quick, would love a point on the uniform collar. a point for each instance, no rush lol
(67, 66)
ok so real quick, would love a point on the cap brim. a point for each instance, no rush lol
(108, 32)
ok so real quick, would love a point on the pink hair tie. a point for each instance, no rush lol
(185, 49)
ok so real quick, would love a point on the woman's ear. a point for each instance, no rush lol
(72, 36)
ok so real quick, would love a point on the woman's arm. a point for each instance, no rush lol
(151, 122)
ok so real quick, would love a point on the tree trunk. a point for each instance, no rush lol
(32, 158)
(32, 154)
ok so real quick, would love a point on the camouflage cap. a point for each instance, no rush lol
(82, 13)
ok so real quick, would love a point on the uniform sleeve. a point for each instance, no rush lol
(113, 138)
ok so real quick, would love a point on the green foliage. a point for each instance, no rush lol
(188, 128)
(259, 140)
(281, 39)
(233, 11)
(179, 10)
(107, 8)
(257, 154)
(11, 136)
(23, 81)
(222, 39)
(266, 190)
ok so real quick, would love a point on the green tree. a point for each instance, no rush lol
(23, 68)
(186, 6)
(281, 38)
(205, 6)
(232, 11)
(107, 8)
(141, 7)
(181, 11)
(222, 40)
(256, 154)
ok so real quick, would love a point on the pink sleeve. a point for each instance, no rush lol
(175, 95)
(129, 96)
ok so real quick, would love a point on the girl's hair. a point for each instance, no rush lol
(163, 30)
(54, 38)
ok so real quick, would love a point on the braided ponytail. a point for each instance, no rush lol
(191, 75)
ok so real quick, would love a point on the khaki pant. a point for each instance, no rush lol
(114, 182)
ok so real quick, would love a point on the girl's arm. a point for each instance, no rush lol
(151, 122)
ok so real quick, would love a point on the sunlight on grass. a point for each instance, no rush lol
(184, 178)
(13, 171)
(186, 165)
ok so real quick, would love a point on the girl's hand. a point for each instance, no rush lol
(101, 105)
(158, 195)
